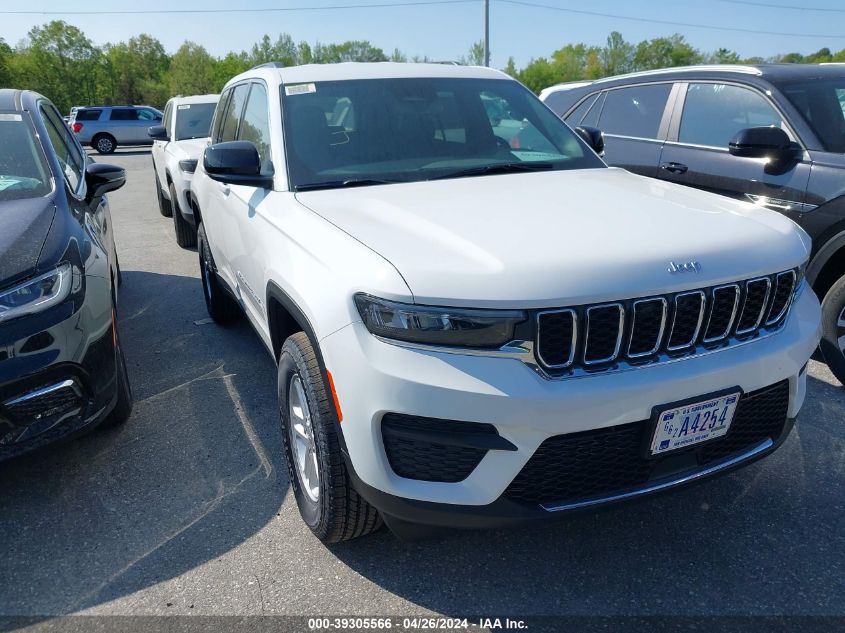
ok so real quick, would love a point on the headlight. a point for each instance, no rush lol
(454, 327)
(36, 294)
(189, 166)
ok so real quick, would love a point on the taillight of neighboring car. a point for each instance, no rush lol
(77, 127)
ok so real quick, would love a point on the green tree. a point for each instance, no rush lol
(510, 68)
(724, 56)
(475, 55)
(6, 79)
(664, 52)
(226, 68)
(135, 70)
(398, 56)
(617, 56)
(538, 74)
(192, 70)
(60, 62)
(283, 50)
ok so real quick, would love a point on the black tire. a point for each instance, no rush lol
(338, 513)
(104, 143)
(164, 205)
(123, 407)
(186, 236)
(221, 306)
(833, 329)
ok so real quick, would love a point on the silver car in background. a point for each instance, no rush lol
(106, 127)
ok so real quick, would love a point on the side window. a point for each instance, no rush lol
(67, 151)
(88, 115)
(148, 115)
(123, 114)
(220, 116)
(575, 117)
(592, 116)
(255, 126)
(168, 117)
(714, 113)
(635, 111)
(229, 131)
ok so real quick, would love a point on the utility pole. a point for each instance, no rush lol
(486, 32)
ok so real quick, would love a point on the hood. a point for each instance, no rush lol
(559, 238)
(192, 147)
(24, 225)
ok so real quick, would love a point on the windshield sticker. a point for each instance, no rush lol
(300, 89)
(11, 117)
(184, 106)
(5, 181)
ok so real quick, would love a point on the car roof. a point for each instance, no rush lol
(18, 100)
(209, 98)
(363, 70)
(771, 72)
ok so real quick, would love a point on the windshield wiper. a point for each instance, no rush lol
(500, 168)
(338, 184)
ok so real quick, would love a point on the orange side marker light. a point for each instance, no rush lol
(334, 397)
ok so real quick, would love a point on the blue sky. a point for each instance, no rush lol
(445, 31)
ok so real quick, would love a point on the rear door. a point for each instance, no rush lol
(123, 124)
(707, 116)
(635, 121)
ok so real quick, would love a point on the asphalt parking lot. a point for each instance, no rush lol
(186, 509)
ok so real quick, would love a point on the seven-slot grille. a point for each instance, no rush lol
(596, 337)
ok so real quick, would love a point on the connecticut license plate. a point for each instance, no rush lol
(693, 423)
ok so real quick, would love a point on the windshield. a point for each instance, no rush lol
(822, 102)
(193, 120)
(372, 131)
(23, 168)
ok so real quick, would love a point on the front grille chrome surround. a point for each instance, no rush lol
(741, 331)
(548, 314)
(688, 341)
(784, 283)
(722, 334)
(619, 332)
(640, 304)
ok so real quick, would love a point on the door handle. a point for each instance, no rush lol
(674, 168)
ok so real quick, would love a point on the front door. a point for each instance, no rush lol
(696, 153)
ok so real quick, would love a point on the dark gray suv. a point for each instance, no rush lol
(773, 135)
(106, 127)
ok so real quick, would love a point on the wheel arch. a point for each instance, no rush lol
(285, 317)
(827, 264)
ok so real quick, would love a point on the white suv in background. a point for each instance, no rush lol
(472, 331)
(177, 144)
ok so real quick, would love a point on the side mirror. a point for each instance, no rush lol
(592, 136)
(237, 163)
(158, 132)
(762, 142)
(100, 179)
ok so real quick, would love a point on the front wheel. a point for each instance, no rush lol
(186, 236)
(329, 505)
(221, 306)
(833, 329)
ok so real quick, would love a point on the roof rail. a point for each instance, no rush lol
(269, 65)
(732, 68)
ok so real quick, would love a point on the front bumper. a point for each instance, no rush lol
(57, 371)
(373, 378)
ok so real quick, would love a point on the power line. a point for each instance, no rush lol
(377, 5)
(669, 23)
(782, 6)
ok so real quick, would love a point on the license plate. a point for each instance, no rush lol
(693, 423)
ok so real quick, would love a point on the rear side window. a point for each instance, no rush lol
(123, 114)
(229, 130)
(635, 111)
(255, 126)
(23, 168)
(168, 117)
(88, 115)
(714, 113)
(220, 116)
(574, 118)
(67, 151)
(144, 114)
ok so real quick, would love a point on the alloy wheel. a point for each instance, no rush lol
(302, 442)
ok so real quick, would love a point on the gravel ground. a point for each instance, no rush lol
(187, 508)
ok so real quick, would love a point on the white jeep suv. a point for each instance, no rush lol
(472, 331)
(177, 144)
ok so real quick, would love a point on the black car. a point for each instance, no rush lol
(771, 134)
(62, 370)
